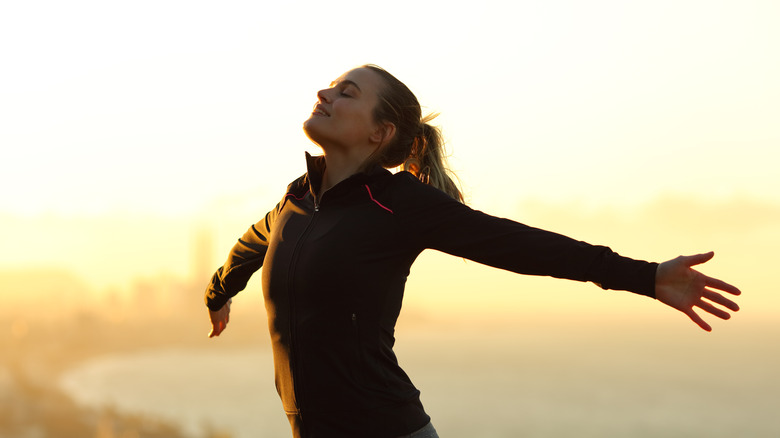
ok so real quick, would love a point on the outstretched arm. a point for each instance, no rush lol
(683, 288)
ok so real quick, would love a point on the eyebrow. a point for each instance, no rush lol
(346, 82)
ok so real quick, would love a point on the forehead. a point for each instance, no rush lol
(365, 79)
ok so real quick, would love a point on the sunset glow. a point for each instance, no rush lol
(141, 140)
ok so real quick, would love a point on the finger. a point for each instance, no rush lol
(216, 329)
(709, 308)
(697, 319)
(720, 299)
(721, 285)
(698, 258)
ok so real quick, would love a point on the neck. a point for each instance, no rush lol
(340, 164)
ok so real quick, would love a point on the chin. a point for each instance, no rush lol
(310, 130)
(307, 127)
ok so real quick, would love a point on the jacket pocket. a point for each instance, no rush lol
(359, 354)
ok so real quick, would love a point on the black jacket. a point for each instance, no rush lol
(333, 278)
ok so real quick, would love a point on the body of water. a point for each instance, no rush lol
(476, 386)
(198, 389)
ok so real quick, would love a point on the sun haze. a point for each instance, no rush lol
(141, 140)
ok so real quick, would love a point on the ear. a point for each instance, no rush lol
(383, 133)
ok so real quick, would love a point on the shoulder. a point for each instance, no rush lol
(298, 187)
(404, 180)
(400, 184)
(405, 192)
(297, 190)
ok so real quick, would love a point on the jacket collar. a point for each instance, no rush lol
(315, 166)
(315, 169)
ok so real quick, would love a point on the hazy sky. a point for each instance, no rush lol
(192, 110)
(166, 105)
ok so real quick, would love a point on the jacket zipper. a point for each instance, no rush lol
(290, 278)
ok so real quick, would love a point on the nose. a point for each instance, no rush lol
(322, 95)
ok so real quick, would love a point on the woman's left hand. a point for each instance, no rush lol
(219, 319)
(683, 288)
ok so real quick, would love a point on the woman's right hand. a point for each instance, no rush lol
(679, 286)
(219, 319)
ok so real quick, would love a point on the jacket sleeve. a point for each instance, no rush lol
(439, 222)
(244, 259)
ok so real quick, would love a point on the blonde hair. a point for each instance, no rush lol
(417, 145)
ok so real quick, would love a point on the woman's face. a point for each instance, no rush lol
(344, 114)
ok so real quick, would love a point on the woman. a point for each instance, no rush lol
(338, 247)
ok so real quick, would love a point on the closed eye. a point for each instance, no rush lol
(347, 88)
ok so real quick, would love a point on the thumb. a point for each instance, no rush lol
(698, 258)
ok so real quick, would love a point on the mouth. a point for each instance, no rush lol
(319, 110)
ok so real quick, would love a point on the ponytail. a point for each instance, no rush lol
(427, 160)
(417, 145)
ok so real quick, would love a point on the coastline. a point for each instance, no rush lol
(169, 384)
(38, 355)
(531, 379)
